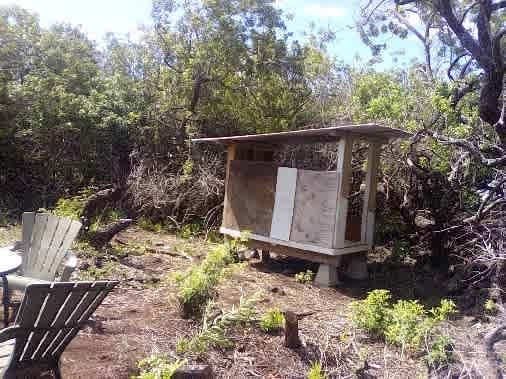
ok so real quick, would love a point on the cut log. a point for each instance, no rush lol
(194, 372)
(292, 339)
(101, 237)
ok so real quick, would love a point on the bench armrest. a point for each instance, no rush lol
(68, 268)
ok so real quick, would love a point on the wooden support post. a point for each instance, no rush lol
(343, 189)
(326, 275)
(231, 154)
(369, 209)
(292, 339)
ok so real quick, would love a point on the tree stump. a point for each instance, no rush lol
(292, 339)
(194, 372)
(266, 257)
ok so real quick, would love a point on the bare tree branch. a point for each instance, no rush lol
(468, 41)
(471, 148)
(498, 5)
(454, 62)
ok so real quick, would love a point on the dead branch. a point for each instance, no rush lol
(101, 237)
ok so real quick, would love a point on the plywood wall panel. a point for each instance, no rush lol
(314, 213)
(250, 196)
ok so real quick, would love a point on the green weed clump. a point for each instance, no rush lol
(72, 207)
(440, 351)
(372, 313)
(157, 367)
(272, 321)
(146, 224)
(214, 332)
(316, 372)
(189, 231)
(405, 323)
(490, 307)
(304, 276)
(196, 287)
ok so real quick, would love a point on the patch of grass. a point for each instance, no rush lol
(157, 367)
(146, 224)
(93, 272)
(84, 250)
(189, 231)
(214, 332)
(316, 372)
(305, 277)
(106, 217)
(197, 286)
(405, 323)
(272, 321)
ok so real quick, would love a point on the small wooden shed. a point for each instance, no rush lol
(314, 215)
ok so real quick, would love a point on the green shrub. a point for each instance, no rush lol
(157, 367)
(272, 320)
(72, 207)
(372, 314)
(196, 287)
(304, 276)
(405, 323)
(316, 372)
(439, 353)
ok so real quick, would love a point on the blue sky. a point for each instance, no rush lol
(97, 17)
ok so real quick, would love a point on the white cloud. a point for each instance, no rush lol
(318, 10)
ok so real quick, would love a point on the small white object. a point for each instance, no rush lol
(283, 203)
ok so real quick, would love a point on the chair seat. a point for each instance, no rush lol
(6, 349)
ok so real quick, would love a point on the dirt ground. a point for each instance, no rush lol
(141, 317)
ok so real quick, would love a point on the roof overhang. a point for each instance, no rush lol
(304, 136)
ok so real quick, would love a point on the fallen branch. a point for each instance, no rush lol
(101, 237)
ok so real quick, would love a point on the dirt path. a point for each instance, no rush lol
(140, 319)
